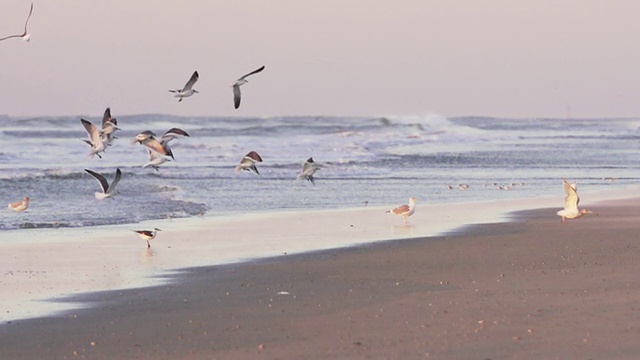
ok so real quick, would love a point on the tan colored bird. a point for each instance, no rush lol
(20, 205)
(404, 210)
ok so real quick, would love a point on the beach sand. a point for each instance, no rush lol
(531, 288)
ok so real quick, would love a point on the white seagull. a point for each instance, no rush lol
(308, 169)
(404, 210)
(147, 235)
(107, 190)
(248, 162)
(25, 36)
(241, 81)
(20, 205)
(95, 139)
(571, 201)
(188, 89)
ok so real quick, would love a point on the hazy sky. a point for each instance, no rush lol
(505, 58)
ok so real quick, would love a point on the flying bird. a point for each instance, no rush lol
(241, 81)
(155, 160)
(188, 89)
(248, 162)
(109, 127)
(147, 235)
(95, 139)
(19, 205)
(159, 149)
(404, 210)
(308, 169)
(571, 201)
(25, 36)
(107, 190)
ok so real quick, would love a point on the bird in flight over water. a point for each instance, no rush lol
(188, 89)
(241, 81)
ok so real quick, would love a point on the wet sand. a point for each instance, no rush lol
(530, 288)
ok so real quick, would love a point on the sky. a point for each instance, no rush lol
(502, 58)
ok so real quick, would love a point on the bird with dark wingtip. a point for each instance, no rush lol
(248, 162)
(158, 149)
(308, 169)
(241, 81)
(188, 89)
(25, 36)
(107, 190)
(147, 235)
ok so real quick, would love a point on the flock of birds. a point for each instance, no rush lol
(158, 149)
(160, 152)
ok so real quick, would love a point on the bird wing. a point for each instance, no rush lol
(101, 180)
(571, 200)
(401, 209)
(251, 73)
(10, 36)
(173, 133)
(27, 22)
(253, 156)
(106, 117)
(236, 96)
(25, 27)
(191, 81)
(15, 204)
(92, 130)
(155, 145)
(115, 181)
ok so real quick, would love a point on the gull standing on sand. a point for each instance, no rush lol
(571, 201)
(147, 235)
(19, 205)
(95, 139)
(25, 36)
(188, 89)
(248, 162)
(107, 190)
(405, 210)
(241, 81)
(308, 169)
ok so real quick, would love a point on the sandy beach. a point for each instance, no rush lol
(529, 288)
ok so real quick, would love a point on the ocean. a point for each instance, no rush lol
(365, 161)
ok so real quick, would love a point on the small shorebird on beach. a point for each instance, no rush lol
(248, 162)
(571, 201)
(404, 210)
(241, 81)
(25, 36)
(147, 235)
(308, 169)
(19, 205)
(107, 190)
(188, 89)
(95, 139)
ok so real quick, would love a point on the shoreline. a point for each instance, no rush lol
(531, 287)
(73, 261)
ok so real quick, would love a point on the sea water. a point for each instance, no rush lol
(365, 161)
